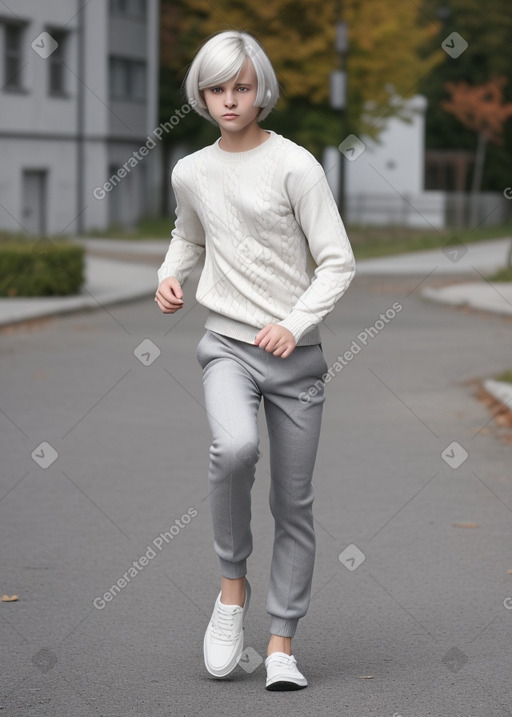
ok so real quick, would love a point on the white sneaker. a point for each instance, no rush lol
(223, 642)
(282, 672)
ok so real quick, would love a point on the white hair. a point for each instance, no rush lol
(220, 59)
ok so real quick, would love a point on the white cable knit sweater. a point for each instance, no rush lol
(276, 247)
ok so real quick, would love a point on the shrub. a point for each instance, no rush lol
(504, 274)
(40, 268)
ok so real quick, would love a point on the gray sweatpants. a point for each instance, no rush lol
(236, 375)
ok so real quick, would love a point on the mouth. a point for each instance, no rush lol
(229, 115)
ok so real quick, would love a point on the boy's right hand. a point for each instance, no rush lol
(169, 295)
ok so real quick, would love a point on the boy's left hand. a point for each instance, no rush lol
(276, 339)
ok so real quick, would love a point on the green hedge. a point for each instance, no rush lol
(40, 268)
(504, 274)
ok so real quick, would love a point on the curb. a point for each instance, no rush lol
(107, 283)
(500, 390)
(27, 312)
(495, 297)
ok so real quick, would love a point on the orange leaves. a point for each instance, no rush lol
(480, 108)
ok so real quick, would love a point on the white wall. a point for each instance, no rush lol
(385, 184)
(396, 163)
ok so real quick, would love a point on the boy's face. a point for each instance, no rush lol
(231, 103)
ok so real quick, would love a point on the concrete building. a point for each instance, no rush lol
(384, 179)
(78, 101)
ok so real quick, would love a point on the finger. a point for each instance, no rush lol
(161, 306)
(284, 352)
(176, 289)
(166, 309)
(260, 335)
(171, 298)
(170, 302)
(288, 350)
(170, 291)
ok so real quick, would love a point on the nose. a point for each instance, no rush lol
(229, 99)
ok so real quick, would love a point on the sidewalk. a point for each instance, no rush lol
(485, 296)
(480, 258)
(118, 271)
(107, 282)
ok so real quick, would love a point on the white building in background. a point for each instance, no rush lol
(384, 183)
(78, 97)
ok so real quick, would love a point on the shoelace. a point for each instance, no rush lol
(224, 629)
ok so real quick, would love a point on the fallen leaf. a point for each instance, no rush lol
(509, 572)
(9, 598)
(465, 525)
(502, 419)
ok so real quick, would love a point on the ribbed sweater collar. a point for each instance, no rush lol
(249, 154)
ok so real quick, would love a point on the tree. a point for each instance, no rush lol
(481, 109)
(387, 57)
(487, 28)
(390, 52)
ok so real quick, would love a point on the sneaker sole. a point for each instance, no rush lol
(284, 686)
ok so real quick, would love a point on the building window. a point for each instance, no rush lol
(57, 66)
(13, 56)
(133, 8)
(127, 79)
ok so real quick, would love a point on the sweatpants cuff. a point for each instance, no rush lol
(285, 628)
(233, 570)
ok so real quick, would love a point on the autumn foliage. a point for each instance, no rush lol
(386, 58)
(480, 108)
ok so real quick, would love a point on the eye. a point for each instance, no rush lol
(243, 89)
(215, 90)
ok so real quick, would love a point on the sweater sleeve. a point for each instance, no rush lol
(187, 238)
(319, 218)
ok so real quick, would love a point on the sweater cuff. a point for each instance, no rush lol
(298, 323)
(167, 270)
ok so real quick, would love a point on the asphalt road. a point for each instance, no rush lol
(410, 612)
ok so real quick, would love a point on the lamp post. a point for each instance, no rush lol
(338, 92)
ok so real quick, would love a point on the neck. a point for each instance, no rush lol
(242, 141)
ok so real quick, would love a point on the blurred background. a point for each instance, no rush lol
(408, 107)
